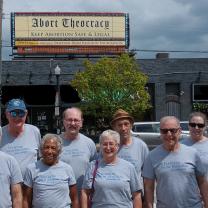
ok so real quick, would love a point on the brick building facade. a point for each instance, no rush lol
(170, 85)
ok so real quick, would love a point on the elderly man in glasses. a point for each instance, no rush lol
(19, 139)
(177, 169)
(78, 150)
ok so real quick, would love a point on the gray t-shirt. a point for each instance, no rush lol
(10, 174)
(78, 153)
(175, 173)
(23, 148)
(201, 147)
(135, 153)
(114, 184)
(50, 184)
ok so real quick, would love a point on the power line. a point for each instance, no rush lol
(170, 51)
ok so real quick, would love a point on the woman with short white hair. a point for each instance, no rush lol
(112, 180)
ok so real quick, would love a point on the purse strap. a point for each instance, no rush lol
(94, 174)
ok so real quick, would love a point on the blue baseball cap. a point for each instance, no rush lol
(16, 104)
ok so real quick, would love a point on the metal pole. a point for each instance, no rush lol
(57, 99)
(1, 15)
(57, 106)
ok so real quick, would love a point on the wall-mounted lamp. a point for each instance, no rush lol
(181, 93)
(30, 77)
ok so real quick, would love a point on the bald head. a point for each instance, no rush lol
(73, 109)
(169, 118)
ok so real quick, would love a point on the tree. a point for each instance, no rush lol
(110, 84)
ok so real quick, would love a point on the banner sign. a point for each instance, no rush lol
(70, 29)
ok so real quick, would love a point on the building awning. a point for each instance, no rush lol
(39, 94)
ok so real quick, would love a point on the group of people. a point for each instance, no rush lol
(65, 170)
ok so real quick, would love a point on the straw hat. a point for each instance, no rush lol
(119, 114)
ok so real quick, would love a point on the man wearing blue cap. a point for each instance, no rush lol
(19, 139)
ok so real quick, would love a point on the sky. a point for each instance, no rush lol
(155, 26)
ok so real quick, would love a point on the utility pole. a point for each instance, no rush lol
(1, 17)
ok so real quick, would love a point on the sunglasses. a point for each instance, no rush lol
(197, 124)
(172, 131)
(15, 114)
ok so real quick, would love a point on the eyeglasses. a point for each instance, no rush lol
(193, 125)
(15, 114)
(76, 121)
(172, 131)
(111, 145)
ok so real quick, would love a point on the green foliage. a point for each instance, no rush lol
(112, 83)
(202, 107)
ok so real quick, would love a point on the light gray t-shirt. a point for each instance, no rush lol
(10, 174)
(175, 173)
(23, 148)
(114, 184)
(135, 153)
(201, 147)
(78, 153)
(50, 184)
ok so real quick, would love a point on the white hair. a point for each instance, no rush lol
(54, 137)
(115, 136)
